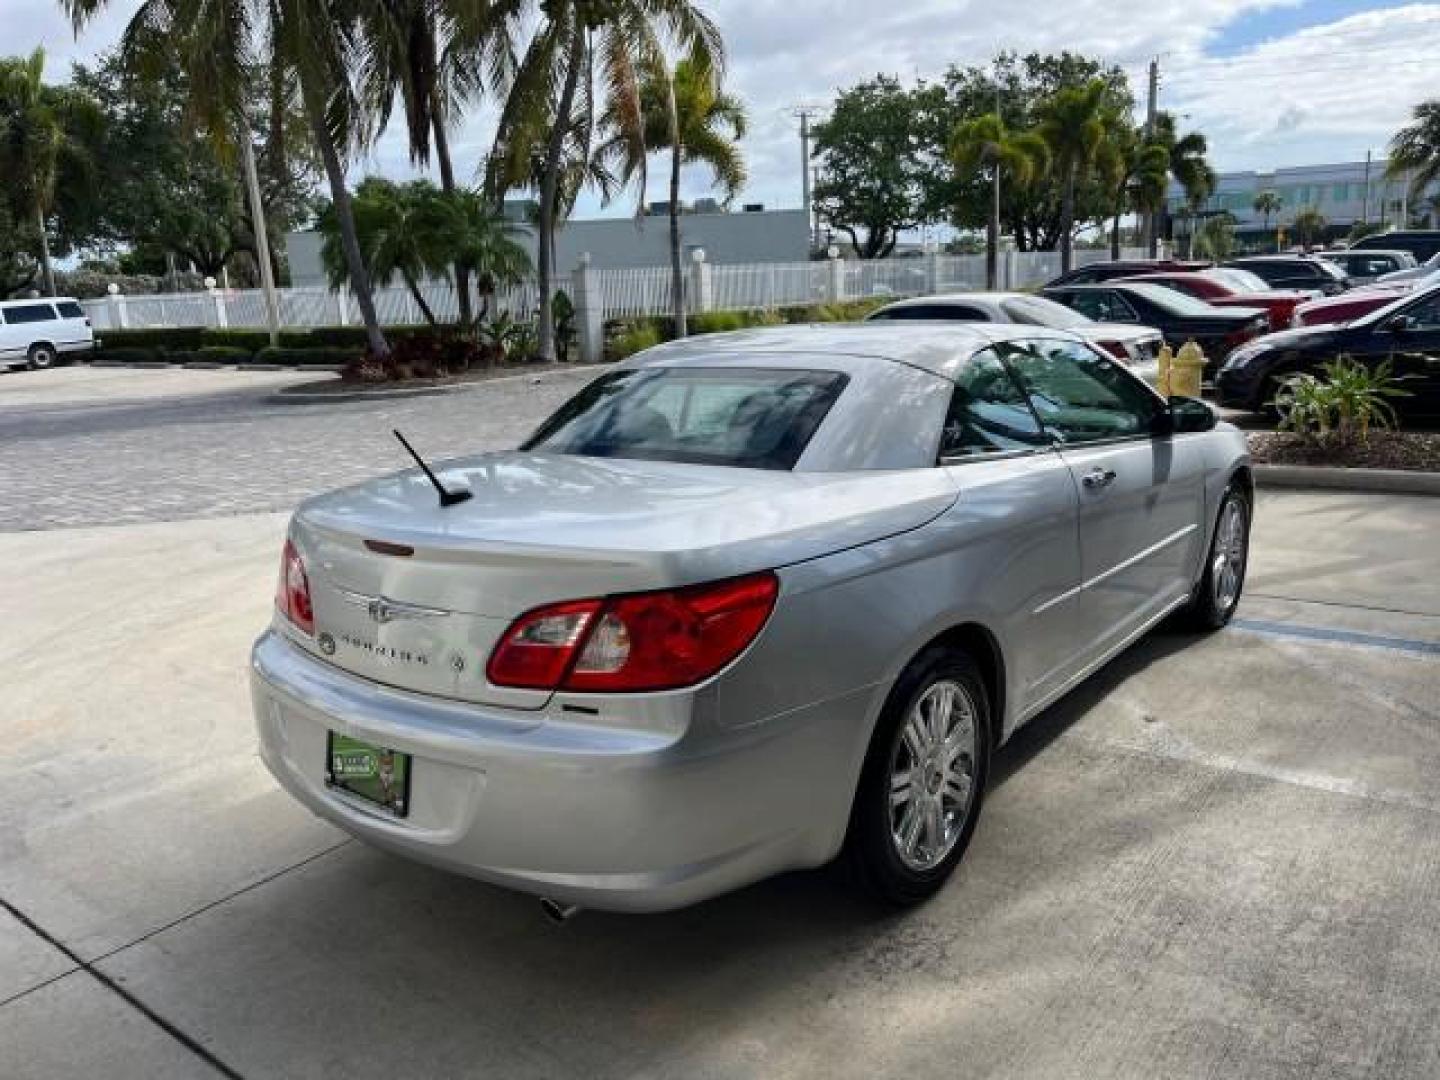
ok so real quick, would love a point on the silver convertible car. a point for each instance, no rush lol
(745, 603)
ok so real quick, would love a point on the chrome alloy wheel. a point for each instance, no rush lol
(932, 775)
(1227, 560)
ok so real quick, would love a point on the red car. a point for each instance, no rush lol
(1232, 288)
(1348, 305)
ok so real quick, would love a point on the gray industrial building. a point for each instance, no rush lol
(751, 235)
(1347, 193)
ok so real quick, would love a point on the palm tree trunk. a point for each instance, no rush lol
(992, 233)
(447, 185)
(415, 291)
(677, 270)
(549, 181)
(47, 271)
(345, 217)
(1067, 222)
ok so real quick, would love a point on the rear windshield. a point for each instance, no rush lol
(753, 418)
(1038, 311)
(1176, 303)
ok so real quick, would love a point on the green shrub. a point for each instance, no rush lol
(252, 341)
(279, 354)
(184, 337)
(634, 340)
(1339, 410)
(128, 354)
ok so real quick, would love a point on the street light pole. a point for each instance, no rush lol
(262, 237)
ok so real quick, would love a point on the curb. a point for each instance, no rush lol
(422, 391)
(1315, 477)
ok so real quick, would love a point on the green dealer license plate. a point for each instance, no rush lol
(368, 772)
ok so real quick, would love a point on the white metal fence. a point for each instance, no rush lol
(620, 292)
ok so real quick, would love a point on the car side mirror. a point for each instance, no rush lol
(1184, 415)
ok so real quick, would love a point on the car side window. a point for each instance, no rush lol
(988, 413)
(1080, 395)
(17, 314)
(1104, 305)
(69, 309)
(1425, 315)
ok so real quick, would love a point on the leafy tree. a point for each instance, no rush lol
(554, 97)
(689, 114)
(1188, 166)
(47, 135)
(305, 47)
(167, 189)
(401, 232)
(1030, 213)
(871, 179)
(1309, 225)
(1415, 149)
(18, 266)
(1073, 124)
(986, 144)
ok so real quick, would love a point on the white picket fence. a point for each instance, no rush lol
(622, 292)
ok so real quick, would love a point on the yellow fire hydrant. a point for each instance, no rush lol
(1186, 369)
(1166, 360)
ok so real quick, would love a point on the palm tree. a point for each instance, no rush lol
(1134, 170)
(1309, 224)
(36, 144)
(576, 43)
(224, 45)
(401, 231)
(985, 143)
(1072, 122)
(1266, 204)
(688, 113)
(1415, 149)
(1189, 168)
(485, 242)
(435, 64)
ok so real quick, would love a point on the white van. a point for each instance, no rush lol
(36, 333)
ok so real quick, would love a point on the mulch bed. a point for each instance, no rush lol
(350, 386)
(1409, 450)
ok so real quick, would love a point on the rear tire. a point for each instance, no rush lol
(42, 357)
(923, 780)
(1218, 593)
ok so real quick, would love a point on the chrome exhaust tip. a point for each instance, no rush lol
(556, 912)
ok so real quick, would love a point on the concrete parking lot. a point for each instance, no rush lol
(1218, 858)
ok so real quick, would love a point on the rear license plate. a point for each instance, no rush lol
(372, 773)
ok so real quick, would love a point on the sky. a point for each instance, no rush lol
(1270, 82)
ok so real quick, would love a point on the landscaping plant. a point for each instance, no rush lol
(1339, 410)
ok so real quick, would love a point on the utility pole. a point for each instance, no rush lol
(805, 112)
(1150, 223)
(262, 237)
(992, 248)
(1365, 211)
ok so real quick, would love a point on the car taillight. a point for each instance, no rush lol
(645, 641)
(292, 597)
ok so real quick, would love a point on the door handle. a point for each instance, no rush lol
(1098, 478)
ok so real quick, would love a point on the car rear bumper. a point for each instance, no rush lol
(600, 816)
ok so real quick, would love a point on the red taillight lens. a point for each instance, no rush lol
(648, 641)
(1117, 350)
(292, 597)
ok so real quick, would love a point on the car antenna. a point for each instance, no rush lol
(447, 498)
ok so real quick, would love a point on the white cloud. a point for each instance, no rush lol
(1321, 94)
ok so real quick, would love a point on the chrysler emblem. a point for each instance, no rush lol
(384, 610)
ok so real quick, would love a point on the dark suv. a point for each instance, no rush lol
(1422, 243)
(1295, 272)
